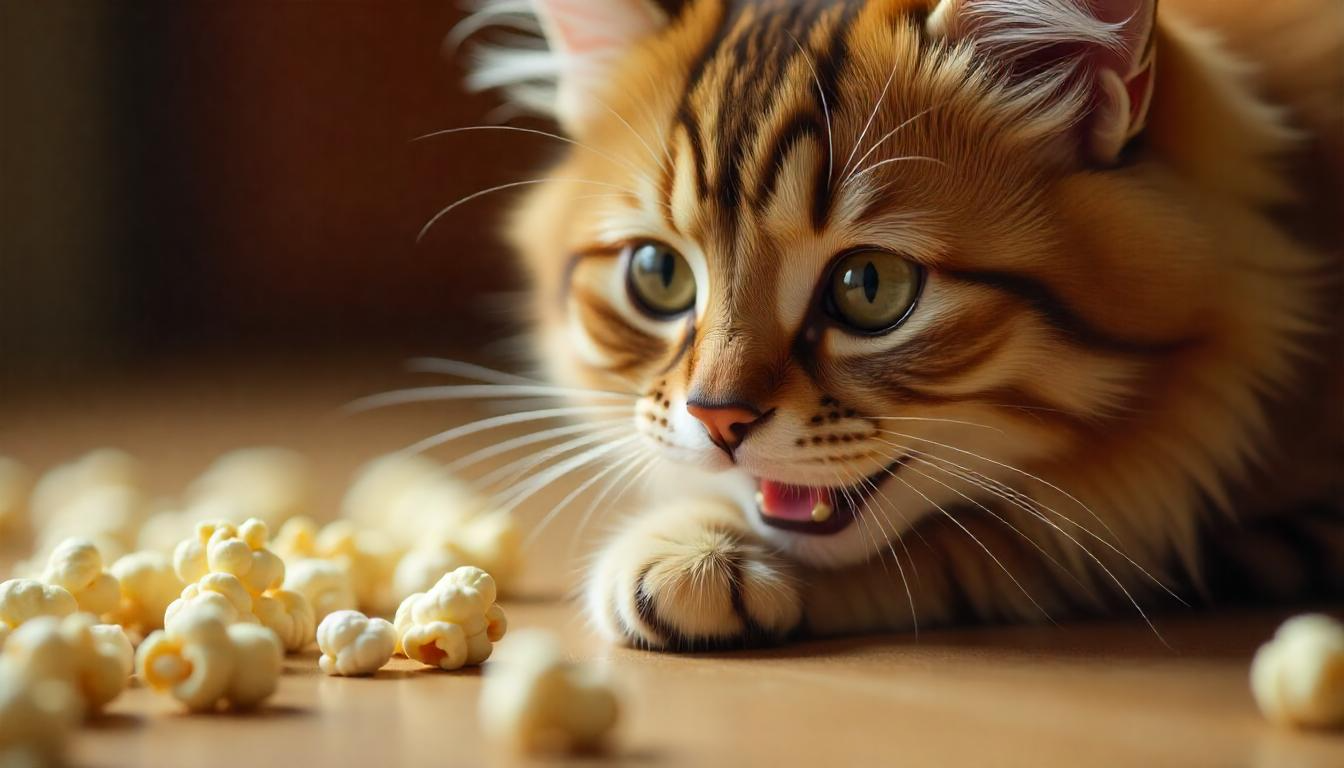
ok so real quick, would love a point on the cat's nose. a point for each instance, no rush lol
(727, 425)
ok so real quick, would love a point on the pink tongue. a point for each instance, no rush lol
(792, 502)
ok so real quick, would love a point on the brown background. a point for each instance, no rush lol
(185, 178)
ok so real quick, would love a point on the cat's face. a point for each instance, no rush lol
(842, 266)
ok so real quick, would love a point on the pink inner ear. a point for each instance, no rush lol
(587, 27)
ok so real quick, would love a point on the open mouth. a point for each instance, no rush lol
(816, 510)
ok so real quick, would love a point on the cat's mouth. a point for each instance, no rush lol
(812, 509)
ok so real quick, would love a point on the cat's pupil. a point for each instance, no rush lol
(870, 282)
(668, 268)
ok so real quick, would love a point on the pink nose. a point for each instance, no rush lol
(727, 425)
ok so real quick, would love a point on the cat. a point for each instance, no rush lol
(929, 311)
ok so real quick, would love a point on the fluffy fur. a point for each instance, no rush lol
(1108, 349)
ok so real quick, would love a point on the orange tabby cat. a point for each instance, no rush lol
(935, 310)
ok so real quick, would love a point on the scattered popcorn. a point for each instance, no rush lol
(36, 717)
(273, 484)
(453, 624)
(421, 568)
(289, 615)
(369, 556)
(1298, 676)
(220, 547)
(106, 467)
(205, 663)
(22, 600)
(296, 539)
(411, 498)
(164, 530)
(325, 583)
(77, 566)
(148, 586)
(108, 515)
(535, 701)
(353, 644)
(96, 660)
(221, 593)
(14, 486)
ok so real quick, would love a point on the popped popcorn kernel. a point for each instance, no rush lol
(1297, 677)
(533, 700)
(77, 566)
(289, 615)
(24, 599)
(94, 659)
(148, 586)
(221, 547)
(296, 539)
(325, 583)
(36, 717)
(258, 660)
(205, 663)
(222, 593)
(107, 515)
(105, 467)
(369, 555)
(353, 644)
(453, 624)
(271, 484)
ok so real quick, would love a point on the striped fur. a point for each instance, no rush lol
(1100, 366)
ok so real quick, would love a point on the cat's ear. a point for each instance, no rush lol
(1106, 44)
(587, 38)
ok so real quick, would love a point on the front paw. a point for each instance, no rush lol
(692, 577)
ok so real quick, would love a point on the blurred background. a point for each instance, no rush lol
(238, 178)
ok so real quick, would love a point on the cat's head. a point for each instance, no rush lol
(850, 254)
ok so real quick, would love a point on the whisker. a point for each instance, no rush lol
(889, 161)
(876, 494)
(490, 451)
(871, 116)
(473, 392)
(634, 133)
(934, 420)
(515, 469)
(466, 370)
(499, 188)
(825, 109)
(508, 419)
(536, 484)
(639, 462)
(574, 494)
(535, 132)
(891, 133)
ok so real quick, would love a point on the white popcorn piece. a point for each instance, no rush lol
(489, 541)
(105, 467)
(289, 615)
(77, 566)
(353, 644)
(411, 498)
(454, 624)
(37, 716)
(221, 593)
(272, 484)
(15, 483)
(325, 583)
(421, 568)
(148, 586)
(533, 700)
(205, 663)
(370, 557)
(94, 659)
(1297, 678)
(296, 540)
(108, 515)
(22, 600)
(221, 547)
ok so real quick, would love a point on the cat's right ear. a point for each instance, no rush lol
(587, 39)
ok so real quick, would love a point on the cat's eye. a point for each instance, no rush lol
(871, 290)
(660, 280)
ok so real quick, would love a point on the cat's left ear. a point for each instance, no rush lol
(588, 37)
(1108, 43)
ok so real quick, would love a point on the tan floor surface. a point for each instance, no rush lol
(1106, 693)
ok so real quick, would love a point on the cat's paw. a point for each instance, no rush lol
(691, 577)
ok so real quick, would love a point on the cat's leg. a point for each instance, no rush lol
(692, 575)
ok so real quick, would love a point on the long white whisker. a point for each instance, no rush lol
(466, 370)
(533, 131)
(871, 116)
(888, 135)
(501, 187)
(490, 451)
(536, 484)
(571, 496)
(637, 462)
(934, 420)
(825, 108)
(507, 419)
(521, 466)
(473, 392)
(889, 161)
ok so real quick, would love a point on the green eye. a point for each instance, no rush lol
(873, 290)
(660, 280)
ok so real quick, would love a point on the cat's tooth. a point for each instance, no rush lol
(760, 500)
(821, 512)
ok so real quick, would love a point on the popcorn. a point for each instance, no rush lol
(77, 566)
(148, 586)
(272, 484)
(219, 547)
(58, 488)
(453, 624)
(221, 593)
(36, 717)
(94, 659)
(14, 485)
(289, 615)
(489, 541)
(535, 701)
(205, 663)
(1298, 676)
(420, 569)
(108, 515)
(369, 556)
(24, 599)
(296, 539)
(411, 498)
(325, 583)
(353, 644)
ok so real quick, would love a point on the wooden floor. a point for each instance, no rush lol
(1105, 693)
